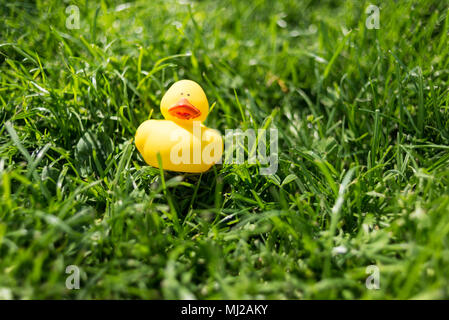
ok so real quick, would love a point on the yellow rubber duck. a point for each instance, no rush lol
(184, 143)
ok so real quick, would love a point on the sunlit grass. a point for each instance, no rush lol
(363, 172)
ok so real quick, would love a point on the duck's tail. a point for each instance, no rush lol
(142, 135)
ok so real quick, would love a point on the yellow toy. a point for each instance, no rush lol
(184, 143)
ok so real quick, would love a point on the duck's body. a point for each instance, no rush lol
(183, 142)
(182, 148)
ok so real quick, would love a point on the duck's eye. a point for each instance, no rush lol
(188, 94)
(182, 93)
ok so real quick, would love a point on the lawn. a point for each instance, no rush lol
(361, 188)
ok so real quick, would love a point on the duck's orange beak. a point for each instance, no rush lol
(183, 109)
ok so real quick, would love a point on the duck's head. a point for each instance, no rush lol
(185, 102)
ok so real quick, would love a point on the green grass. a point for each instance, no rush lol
(363, 172)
